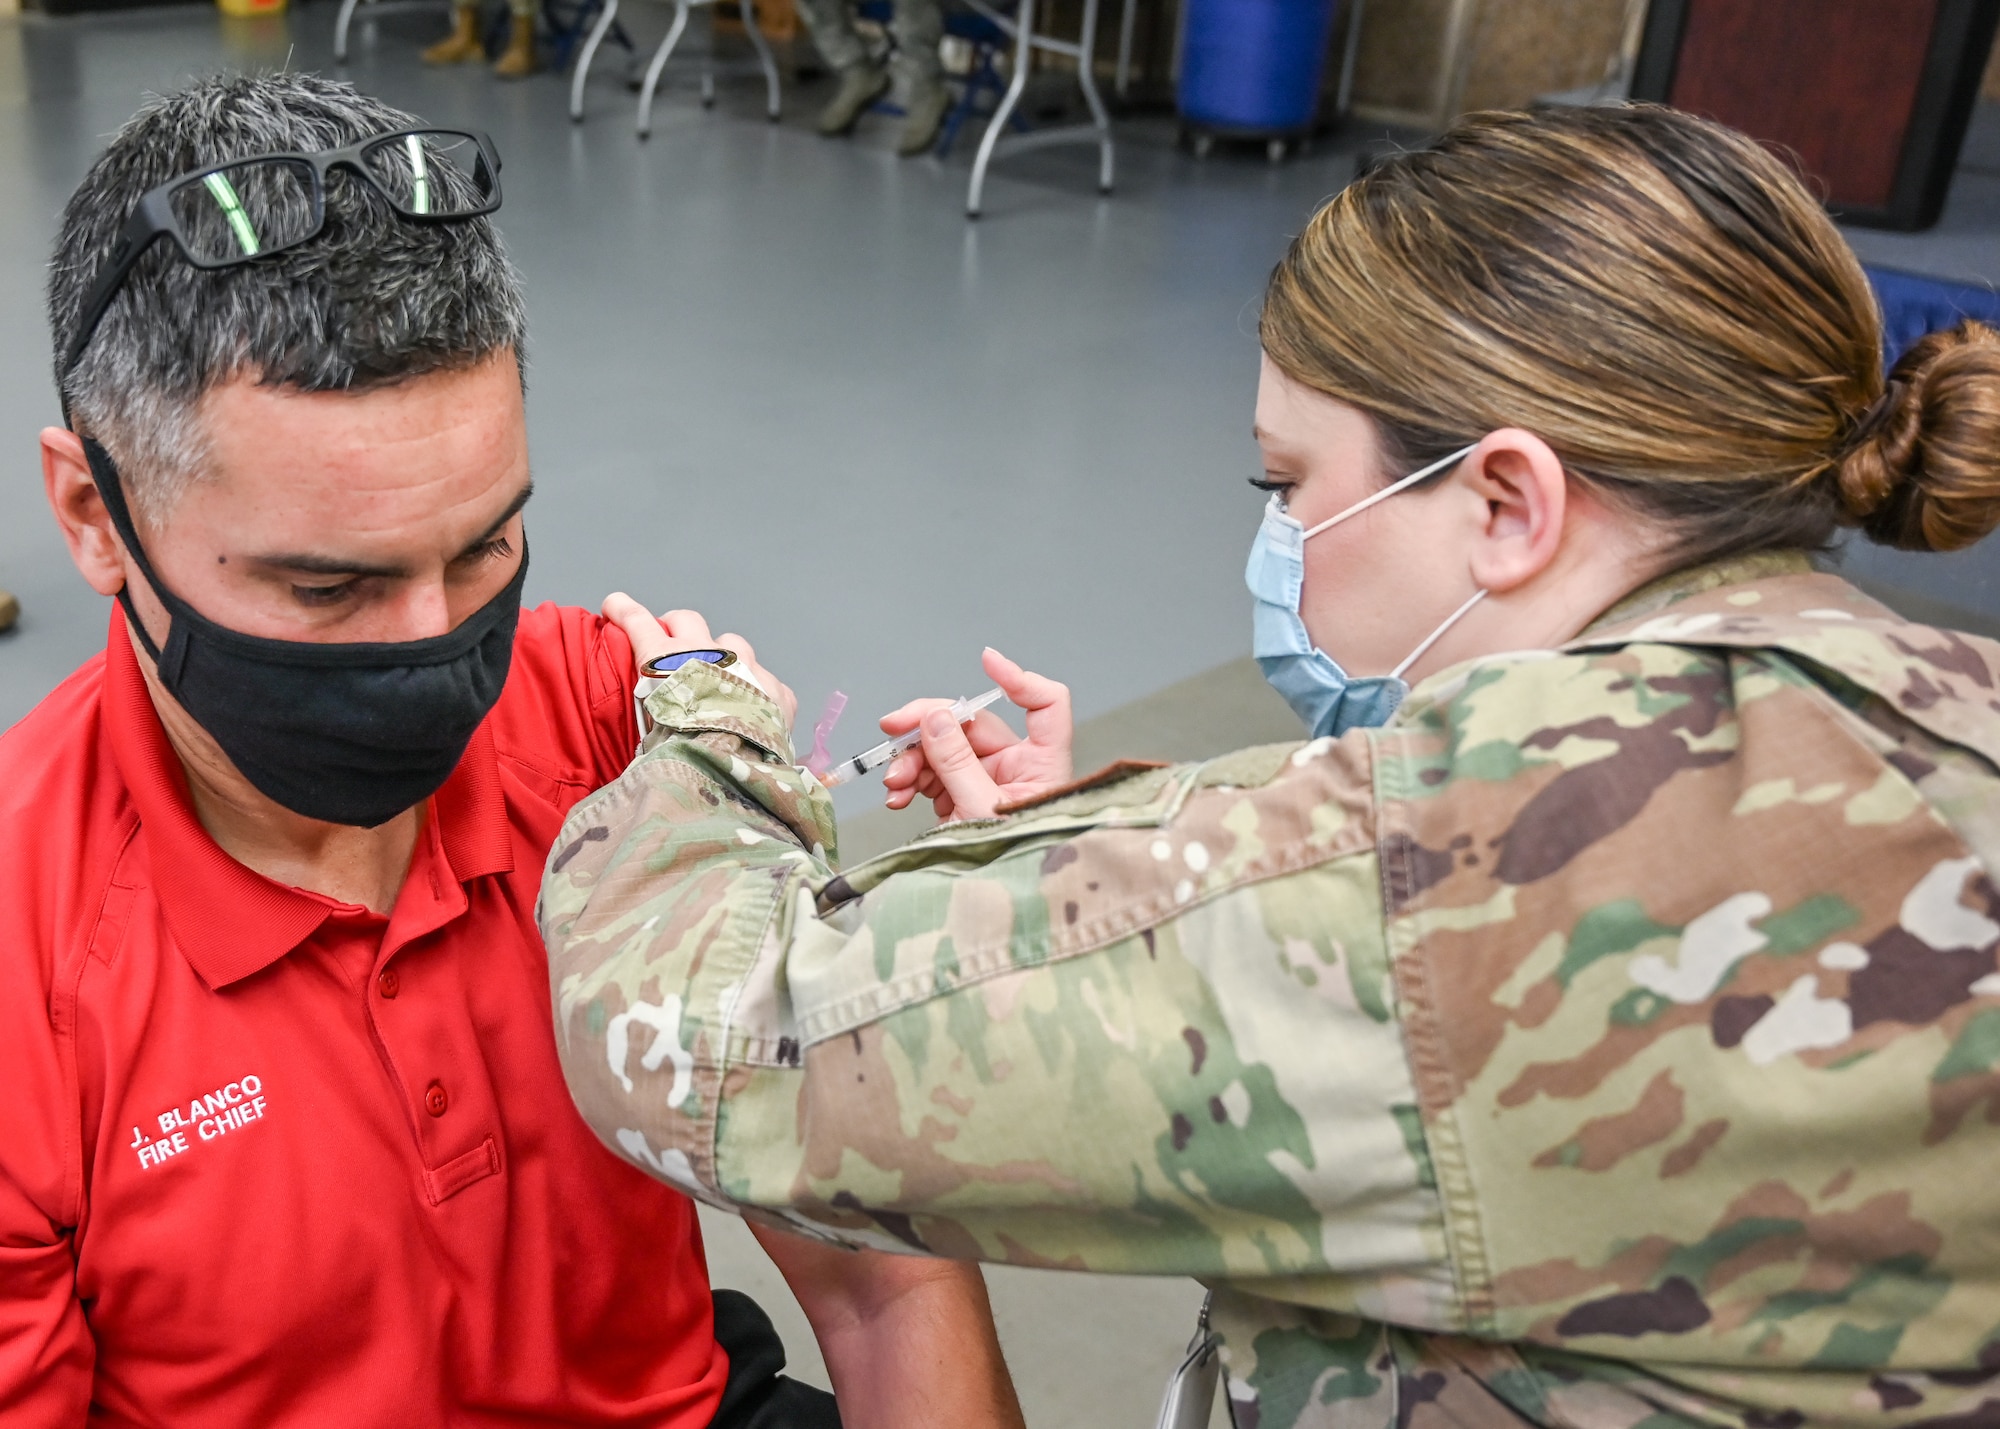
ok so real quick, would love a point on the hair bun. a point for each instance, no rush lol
(1921, 468)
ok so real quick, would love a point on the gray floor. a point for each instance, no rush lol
(784, 381)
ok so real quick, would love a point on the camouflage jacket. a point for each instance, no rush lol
(1612, 1039)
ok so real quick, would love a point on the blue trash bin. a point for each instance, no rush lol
(1914, 306)
(1254, 66)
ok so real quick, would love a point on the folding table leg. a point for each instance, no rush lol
(1088, 80)
(597, 34)
(659, 64)
(770, 65)
(340, 31)
(1024, 59)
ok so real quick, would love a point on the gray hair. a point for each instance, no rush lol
(374, 299)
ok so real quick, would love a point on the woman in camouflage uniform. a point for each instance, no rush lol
(1608, 1035)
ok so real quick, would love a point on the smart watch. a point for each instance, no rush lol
(661, 666)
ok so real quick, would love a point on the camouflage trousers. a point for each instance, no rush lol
(918, 26)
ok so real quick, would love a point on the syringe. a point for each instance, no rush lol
(872, 759)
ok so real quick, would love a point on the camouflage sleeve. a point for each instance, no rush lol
(1145, 1028)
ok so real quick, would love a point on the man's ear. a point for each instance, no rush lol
(79, 511)
(1526, 493)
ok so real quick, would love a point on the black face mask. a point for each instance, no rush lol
(350, 734)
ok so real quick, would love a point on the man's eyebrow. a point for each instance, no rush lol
(513, 510)
(305, 563)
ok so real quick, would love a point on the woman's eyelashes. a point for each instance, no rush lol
(1278, 486)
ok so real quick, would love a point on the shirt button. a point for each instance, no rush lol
(435, 1101)
(387, 983)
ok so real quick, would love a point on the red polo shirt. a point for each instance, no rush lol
(269, 1158)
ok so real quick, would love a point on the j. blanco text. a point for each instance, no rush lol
(216, 1114)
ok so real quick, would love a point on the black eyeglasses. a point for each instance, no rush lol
(251, 208)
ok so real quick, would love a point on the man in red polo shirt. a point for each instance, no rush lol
(286, 1141)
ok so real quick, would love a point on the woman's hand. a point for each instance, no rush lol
(679, 630)
(967, 771)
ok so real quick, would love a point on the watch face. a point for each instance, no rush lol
(661, 665)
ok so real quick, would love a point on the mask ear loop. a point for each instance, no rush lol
(1388, 491)
(111, 491)
(1383, 495)
(1437, 634)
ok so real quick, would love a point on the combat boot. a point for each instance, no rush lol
(462, 43)
(923, 116)
(519, 60)
(860, 86)
(10, 610)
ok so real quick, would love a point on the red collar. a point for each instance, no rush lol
(228, 920)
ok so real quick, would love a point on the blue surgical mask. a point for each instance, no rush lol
(1326, 697)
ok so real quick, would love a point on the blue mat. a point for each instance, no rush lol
(1913, 305)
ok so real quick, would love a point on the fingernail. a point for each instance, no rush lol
(937, 722)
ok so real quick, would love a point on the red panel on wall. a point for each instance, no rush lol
(1834, 80)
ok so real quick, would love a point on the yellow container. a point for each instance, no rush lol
(243, 9)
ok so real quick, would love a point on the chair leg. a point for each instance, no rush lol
(954, 121)
(1098, 113)
(1024, 58)
(659, 64)
(763, 48)
(1122, 80)
(583, 61)
(340, 31)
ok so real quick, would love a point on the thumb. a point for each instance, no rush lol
(951, 757)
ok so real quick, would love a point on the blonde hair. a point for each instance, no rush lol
(1662, 301)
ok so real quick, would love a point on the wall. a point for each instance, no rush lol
(1522, 48)
(1423, 61)
(1402, 72)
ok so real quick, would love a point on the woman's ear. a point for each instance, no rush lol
(1526, 495)
(79, 511)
